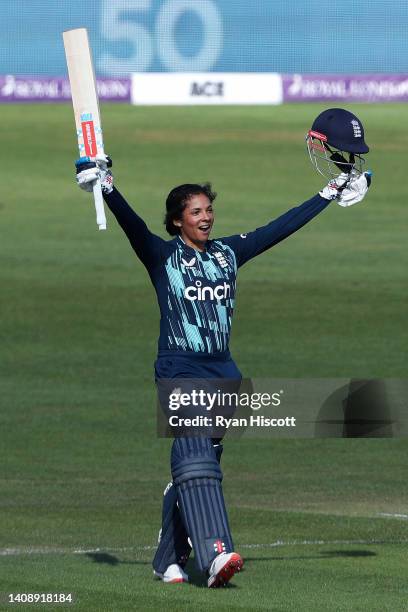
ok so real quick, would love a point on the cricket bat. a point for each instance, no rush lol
(86, 105)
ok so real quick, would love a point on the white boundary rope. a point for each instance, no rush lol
(48, 550)
(391, 515)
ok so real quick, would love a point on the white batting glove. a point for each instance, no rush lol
(87, 173)
(347, 189)
(104, 162)
(355, 190)
(89, 169)
(331, 191)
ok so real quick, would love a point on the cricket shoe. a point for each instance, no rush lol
(172, 575)
(222, 569)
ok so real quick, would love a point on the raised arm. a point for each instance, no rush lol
(247, 246)
(147, 246)
(346, 190)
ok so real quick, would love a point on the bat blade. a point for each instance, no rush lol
(85, 103)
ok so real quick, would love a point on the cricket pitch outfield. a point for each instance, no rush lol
(322, 524)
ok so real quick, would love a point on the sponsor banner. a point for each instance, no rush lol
(216, 88)
(206, 88)
(348, 88)
(42, 89)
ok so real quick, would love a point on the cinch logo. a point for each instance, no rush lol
(200, 293)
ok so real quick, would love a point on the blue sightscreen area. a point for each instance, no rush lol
(340, 36)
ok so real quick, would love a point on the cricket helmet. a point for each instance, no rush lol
(336, 142)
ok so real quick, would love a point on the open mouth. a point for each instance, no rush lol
(205, 228)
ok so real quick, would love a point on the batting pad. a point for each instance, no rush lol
(197, 477)
(173, 546)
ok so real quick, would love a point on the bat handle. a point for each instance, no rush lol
(100, 211)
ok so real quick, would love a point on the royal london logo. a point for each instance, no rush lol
(200, 293)
(356, 128)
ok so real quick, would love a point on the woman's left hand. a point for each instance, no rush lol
(347, 189)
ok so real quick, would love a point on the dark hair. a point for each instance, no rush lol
(177, 199)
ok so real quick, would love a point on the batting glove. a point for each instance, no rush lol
(90, 169)
(347, 189)
(355, 190)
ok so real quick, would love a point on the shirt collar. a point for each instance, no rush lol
(190, 249)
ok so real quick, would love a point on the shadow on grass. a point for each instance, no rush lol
(101, 557)
(326, 554)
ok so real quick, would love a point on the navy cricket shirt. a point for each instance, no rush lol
(196, 290)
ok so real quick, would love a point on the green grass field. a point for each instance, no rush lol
(82, 469)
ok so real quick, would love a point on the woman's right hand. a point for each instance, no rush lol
(90, 169)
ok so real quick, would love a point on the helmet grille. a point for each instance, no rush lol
(329, 161)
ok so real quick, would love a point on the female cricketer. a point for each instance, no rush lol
(195, 279)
